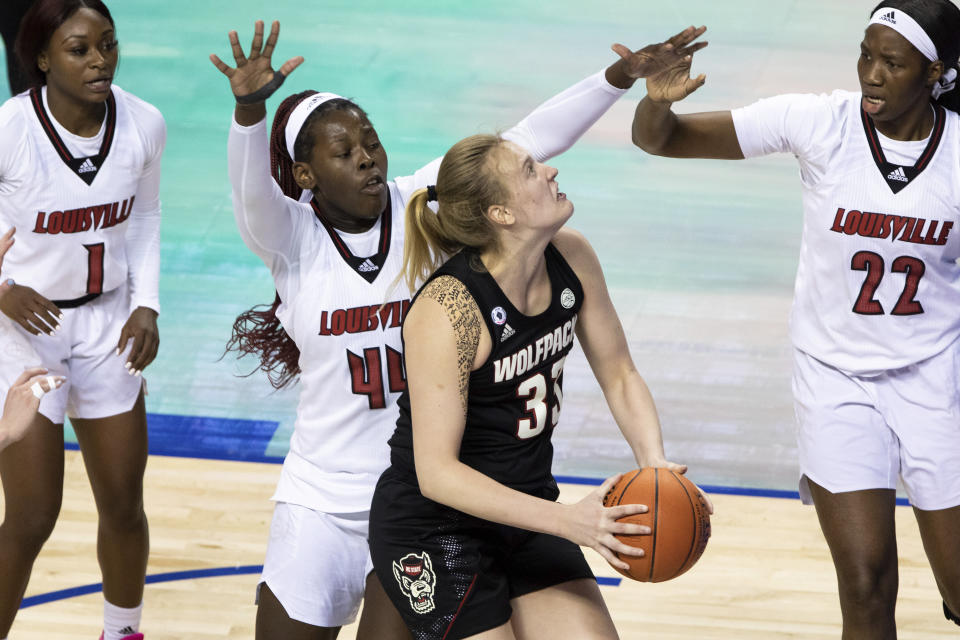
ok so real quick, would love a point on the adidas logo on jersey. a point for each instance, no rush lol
(889, 17)
(898, 174)
(86, 167)
(367, 266)
(507, 332)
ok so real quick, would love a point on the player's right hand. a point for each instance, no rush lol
(666, 66)
(23, 400)
(30, 310)
(590, 524)
(254, 72)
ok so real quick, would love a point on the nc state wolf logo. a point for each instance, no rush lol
(414, 574)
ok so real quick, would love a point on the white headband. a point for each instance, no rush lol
(299, 115)
(908, 28)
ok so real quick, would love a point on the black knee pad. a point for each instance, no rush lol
(950, 615)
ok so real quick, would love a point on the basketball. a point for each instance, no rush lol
(677, 516)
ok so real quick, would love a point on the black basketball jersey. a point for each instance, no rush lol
(514, 399)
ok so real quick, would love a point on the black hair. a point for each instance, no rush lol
(39, 23)
(941, 20)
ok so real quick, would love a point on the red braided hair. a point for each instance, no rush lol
(258, 330)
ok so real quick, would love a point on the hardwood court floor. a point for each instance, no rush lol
(766, 573)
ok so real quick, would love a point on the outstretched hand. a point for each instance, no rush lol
(666, 65)
(254, 72)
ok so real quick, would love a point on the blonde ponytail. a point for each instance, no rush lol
(467, 185)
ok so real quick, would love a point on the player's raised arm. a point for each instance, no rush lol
(656, 128)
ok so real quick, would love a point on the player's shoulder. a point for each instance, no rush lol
(574, 247)
(12, 113)
(145, 116)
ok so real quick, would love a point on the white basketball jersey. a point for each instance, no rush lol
(70, 198)
(344, 313)
(878, 285)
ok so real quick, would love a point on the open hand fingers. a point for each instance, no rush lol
(257, 43)
(692, 49)
(621, 50)
(686, 36)
(290, 65)
(272, 39)
(693, 84)
(235, 47)
(224, 68)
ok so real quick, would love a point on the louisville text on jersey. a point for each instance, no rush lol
(99, 216)
(529, 356)
(362, 319)
(882, 225)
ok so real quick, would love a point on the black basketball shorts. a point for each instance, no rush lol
(452, 575)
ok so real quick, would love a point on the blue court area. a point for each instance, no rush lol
(700, 256)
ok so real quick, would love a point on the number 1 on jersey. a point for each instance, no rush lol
(94, 267)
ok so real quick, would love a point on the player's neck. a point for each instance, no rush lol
(915, 124)
(521, 275)
(78, 117)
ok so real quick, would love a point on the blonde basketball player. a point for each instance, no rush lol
(330, 227)
(876, 313)
(79, 179)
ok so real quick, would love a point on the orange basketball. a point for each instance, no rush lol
(677, 516)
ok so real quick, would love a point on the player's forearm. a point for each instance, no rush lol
(555, 125)
(259, 207)
(654, 124)
(463, 488)
(635, 412)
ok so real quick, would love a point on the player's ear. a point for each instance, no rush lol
(499, 214)
(43, 62)
(934, 71)
(304, 176)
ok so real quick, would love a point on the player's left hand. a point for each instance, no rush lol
(141, 326)
(657, 58)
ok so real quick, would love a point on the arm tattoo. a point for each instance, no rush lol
(464, 316)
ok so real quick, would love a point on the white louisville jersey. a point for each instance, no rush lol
(878, 284)
(344, 311)
(70, 198)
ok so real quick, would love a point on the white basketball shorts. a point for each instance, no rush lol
(859, 432)
(84, 351)
(317, 564)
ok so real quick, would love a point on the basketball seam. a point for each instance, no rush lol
(696, 538)
(656, 512)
